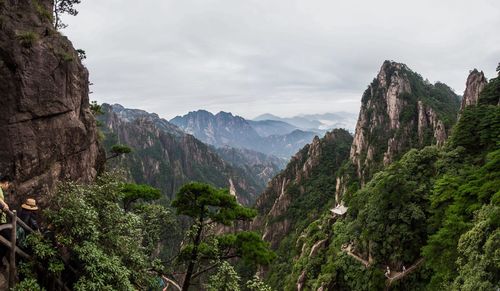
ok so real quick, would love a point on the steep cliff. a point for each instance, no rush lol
(417, 211)
(259, 166)
(219, 130)
(166, 157)
(47, 129)
(304, 188)
(474, 85)
(399, 111)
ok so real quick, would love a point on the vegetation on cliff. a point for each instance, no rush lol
(206, 207)
(436, 204)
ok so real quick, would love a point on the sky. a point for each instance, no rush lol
(285, 57)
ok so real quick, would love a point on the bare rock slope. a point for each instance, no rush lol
(47, 130)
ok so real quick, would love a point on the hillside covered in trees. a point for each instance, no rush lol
(430, 218)
(411, 201)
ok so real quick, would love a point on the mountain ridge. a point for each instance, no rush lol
(224, 129)
(394, 117)
(166, 157)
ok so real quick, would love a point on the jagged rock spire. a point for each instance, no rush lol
(399, 111)
(474, 85)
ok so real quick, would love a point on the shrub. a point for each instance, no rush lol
(27, 38)
(42, 11)
(66, 56)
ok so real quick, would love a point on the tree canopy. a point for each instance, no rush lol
(207, 206)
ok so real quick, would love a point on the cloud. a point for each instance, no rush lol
(281, 56)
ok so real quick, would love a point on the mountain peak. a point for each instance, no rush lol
(223, 113)
(474, 85)
(392, 72)
(396, 103)
(200, 112)
(267, 116)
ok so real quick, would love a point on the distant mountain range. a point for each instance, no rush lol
(166, 157)
(319, 123)
(270, 137)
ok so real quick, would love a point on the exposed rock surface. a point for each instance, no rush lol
(166, 157)
(260, 166)
(316, 247)
(399, 111)
(301, 280)
(48, 131)
(291, 185)
(474, 85)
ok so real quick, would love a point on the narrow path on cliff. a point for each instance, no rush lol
(400, 275)
(393, 276)
(347, 249)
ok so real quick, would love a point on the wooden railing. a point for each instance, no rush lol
(15, 221)
(12, 244)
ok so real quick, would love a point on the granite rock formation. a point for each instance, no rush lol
(474, 85)
(302, 176)
(166, 157)
(399, 111)
(48, 132)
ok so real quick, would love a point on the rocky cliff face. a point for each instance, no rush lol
(255, 164)
(47, 129)
(303, 188)
(474, 85)
(166, 157)
(219, 130)
(399, 111)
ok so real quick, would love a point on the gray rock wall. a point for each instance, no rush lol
(47, 131)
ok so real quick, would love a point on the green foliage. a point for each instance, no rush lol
(490, 95)
(439, 203)
(479, 252)
(134, 192)
(455, 198)
(66, 56)
(311, 197)
(256, 284)
(44, 252)
(478, 129)
(28, 284)
(226, 279)
(470, 180)
(206, 205)
(42, 11)
(96, 108)
(247, 245)
(27, 38)
(201, 201)
(111, 249)
(81, 55)
(390, 212)
(119, 149)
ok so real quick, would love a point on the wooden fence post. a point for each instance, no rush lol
(12, 260)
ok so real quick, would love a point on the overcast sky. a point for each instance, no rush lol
(283, 57)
